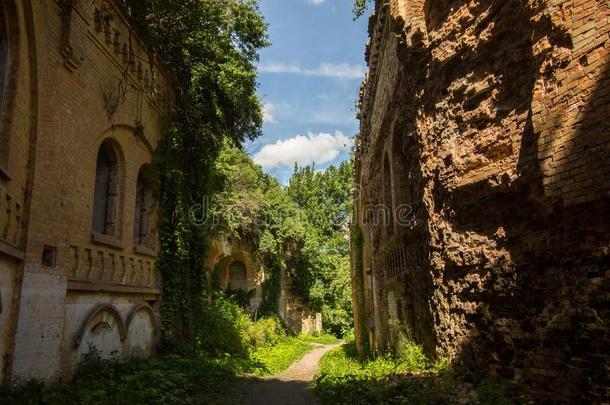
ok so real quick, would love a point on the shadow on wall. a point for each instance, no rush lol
(543, 308)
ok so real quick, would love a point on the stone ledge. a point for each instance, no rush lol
(145, 250)
(12, 251)
(106, 240)
(84, 285)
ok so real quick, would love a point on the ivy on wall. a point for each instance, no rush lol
(209, 48)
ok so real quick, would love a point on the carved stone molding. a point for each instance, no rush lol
(72, 60)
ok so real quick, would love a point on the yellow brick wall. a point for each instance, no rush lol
(72, 93)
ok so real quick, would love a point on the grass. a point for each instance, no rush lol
(323, 338)
(160, 380)
(275, 359)
(409, 378)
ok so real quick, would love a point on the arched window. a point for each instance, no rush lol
(238, 276)
(106, 198)
(387, 197)
(143, 216)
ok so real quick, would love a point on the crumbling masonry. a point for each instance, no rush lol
(485, 132)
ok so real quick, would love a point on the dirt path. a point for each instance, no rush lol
(292, 387)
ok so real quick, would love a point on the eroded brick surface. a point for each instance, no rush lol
(492, 120)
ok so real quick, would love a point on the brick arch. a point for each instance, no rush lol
(223, 264)
(142, 306)
(107, 308)
(140, 341)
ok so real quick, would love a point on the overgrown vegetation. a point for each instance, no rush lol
(299, 230)
(161, 380)
(210, 48)
(259, 348)
(322, 266)
(410, 378)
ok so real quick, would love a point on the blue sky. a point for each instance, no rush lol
(309, 81)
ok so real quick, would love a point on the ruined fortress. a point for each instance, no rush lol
(483, 174)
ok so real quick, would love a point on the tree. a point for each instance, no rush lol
(209, 48)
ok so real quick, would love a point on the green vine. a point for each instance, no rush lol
(210, 49)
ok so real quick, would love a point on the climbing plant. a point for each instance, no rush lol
(209, 48)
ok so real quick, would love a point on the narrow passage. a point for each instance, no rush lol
(293, 386)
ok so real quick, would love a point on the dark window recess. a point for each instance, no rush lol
(105, 204)
(48, 256)
(238, 276)
(143, 219)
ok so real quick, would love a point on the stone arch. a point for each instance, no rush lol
(107, 212)
(102, 330)
(143, 223)
(142, 330)
(9, 70)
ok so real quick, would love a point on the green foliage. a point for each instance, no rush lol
(159, 380)
(344, 378)
(224, 328)
(300, 229)
(275, 359)
(266, 332)
(227, 329)
(360, 7)
(320, 338)
(492, 391)
(321, 266)
(210, 48)
(410, 355)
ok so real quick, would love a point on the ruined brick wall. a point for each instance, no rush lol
(76, 77)
(494, 116)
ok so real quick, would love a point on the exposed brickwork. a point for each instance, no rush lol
(494, 118)
(77, 77)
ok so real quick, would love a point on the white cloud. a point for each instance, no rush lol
(279, 68)
(319, 148)
(316, 2)
(333, 70)
(268, 114)
(343, 71)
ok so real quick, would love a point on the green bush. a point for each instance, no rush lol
(160, 380)
(225, 328)
(266, 332)
(411, 356)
